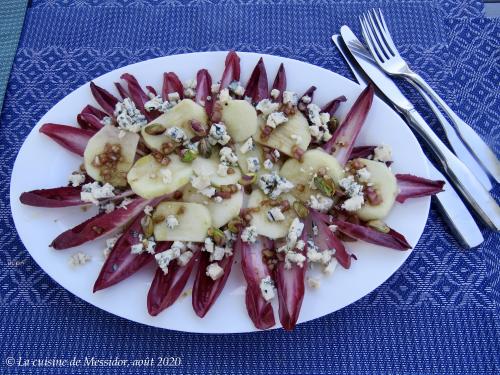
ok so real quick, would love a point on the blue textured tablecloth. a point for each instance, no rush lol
(437, 315)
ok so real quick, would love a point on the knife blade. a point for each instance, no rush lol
(459, 175)
(455, 213)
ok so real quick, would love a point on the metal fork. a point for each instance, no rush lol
(386, 55)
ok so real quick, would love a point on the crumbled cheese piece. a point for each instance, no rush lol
(218, 199)
(300, 245)
(111, 242)
(290, 97)
(144, 245)
(156, 103)
(293, 257)
(184, 258)
(313, 255)
(200, 182)
(330, 267)
(209, 245)
(164, 258)
(267, 288)
(166, 175)
(124, 203)
(249, 234)
(222, 170)
(275, 93)
(351, 187)
(224, 95)
(268, 164)
(363, 174)
(137, 248)
(275, 214)
(208, 192)
(176, 134)
(228, 156)
(173, 97)
(93, 191)
(128, 117)
(319, 129)
(315, 229)
(276, 154)
(215, 88)
(189, 88)
(275, 119)
(217, 254)
(236, 88)
(76, 179)
(313, 283)
(108, 207)
(320, 203)
(354, 203)
(306, 99)
(267, 107)
(172, 221)
(382, 153)
(148, 210)
(79, 259)
(248, 145)
(218, 134)
(253, 164)
(214, 271)
(106, 252)
(273, 185)
(296, 138)
(333, 228)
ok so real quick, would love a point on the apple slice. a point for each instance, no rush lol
(150, 179)
(294, 132)
(260, 220)
(240, 118)
(210, 167)
(193, 222)
(301, 174)
(101, 145)
(179, 116)
(221, 213)
(385, 183)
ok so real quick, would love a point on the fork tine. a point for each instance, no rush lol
(385, 31)
(372, 42)
(379, 34)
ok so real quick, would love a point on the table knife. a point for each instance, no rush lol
(458, 174)
(450, 205)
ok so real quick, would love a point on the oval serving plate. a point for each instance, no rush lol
(42, 164)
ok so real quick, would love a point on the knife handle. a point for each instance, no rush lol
(470, 188)
(455, 213)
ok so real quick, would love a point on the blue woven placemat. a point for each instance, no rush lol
(437, 315)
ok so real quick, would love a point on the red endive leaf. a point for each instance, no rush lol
(393, 239)
(203, 86)
(205, 290)
(151, 90)
(280, 83)
(56, 197)
(99, 225)
(171, 83)
(257, 86)
(69, 137)
(121, 262)
(254, 270)
(89, 121)
(412, 187)
(332, 106)
(106, 100)
(342, 141)
(94, 111)
(138, 96)
(361, 152)
(231, 71)
(166, 289)
(290, 285)
(123, 93)
(326, 239)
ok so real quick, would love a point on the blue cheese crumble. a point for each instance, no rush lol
(266, 107)
(290, 97)
(93, 191)
(275, 119)
(236, 88)
(267, 288)
(172, 221)
(76, 179)
(227, 156)
(147, 245)
(79, 259)
(218, 134)
(253, 164)
(320, 203)
(355, 193)
(275, 214)
(382, 153)
(176, 134)
(275, 93)
(248, 145)
(128, 117)
(214, 271)
(268, 164)
(249, 234)
(319, 129)
(273, 185)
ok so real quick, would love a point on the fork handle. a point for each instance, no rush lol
(482, 151)
(470, 188)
